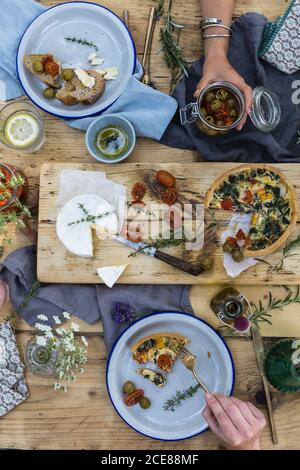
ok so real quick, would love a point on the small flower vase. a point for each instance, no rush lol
(279, 368)
(40, 360)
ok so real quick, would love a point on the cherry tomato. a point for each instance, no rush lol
(240, 235)
(165, 178)
(138, 192)
(134, 397)
(169, 196)
(227, 204)
(135, 232)
(248, 196)
(52, 68)
(164, 362)
(231, 241)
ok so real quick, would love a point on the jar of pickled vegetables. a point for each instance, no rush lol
(13, 187)
(221, 106)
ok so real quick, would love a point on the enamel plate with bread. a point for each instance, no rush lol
(75, 59)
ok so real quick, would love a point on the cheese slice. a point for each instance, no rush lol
(111, 73)
(110, 274)
(85, 79)
(76, 235)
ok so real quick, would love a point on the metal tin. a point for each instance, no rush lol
(265, 114)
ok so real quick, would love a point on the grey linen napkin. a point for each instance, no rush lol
(13, 389)
(88, 302)
(251, 144)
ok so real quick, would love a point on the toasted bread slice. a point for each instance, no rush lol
(43, 76)
(74, 92)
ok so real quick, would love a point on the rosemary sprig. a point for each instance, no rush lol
(30, 295)
(83, 42)
(173, 53)
(261, 312)
(89, 217)
(175, 400)
(287, 252)
(159, 10)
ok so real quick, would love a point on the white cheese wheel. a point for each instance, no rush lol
(77, 238)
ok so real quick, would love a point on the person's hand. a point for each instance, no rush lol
(238, 424)
(217, 68)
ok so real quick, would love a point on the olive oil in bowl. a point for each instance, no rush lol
(112, 141)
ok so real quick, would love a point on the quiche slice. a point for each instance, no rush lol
(264, 191)
(159, 348)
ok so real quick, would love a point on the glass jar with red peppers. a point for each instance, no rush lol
(13, 187)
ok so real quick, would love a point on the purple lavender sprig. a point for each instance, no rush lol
(122, 313)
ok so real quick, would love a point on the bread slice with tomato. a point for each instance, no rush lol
(159, 349)
(45, 67)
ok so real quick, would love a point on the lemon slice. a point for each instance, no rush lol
(21, 130)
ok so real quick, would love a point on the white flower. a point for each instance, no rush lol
(57, 320)
(74, 326)
(60, 331)
(66, 315)
(49, 334)
(84, 340)
(56, 386)
(42, 317)
(42, 327)
(41, 341)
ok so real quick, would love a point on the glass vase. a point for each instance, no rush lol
(280, 371)
(40, 360)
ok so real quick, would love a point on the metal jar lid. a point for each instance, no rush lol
(266, 110)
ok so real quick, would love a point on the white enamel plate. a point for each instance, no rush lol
(82, 20)
(214, 365)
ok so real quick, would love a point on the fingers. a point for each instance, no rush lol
(211, 421)
(201, 85)
(245, 410)
(256, 412)
(233, 412)
(247, 92)
(222, 418)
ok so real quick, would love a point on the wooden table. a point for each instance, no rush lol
(84, 418)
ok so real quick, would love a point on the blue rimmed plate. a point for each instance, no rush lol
(214, 365)
(82, 20)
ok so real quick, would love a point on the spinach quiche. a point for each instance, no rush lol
(264, 191)
(159, 349)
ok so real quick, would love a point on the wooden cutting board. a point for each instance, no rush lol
(56, 265)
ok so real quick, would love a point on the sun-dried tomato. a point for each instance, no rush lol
(231, 241)
(52, 68)
(134, 397)
(248, 197)
(240, 235)
(164, 362)
(227, 204)
(169, 196)
(138, 192)
(165, 178)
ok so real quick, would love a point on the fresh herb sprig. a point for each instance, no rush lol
(159, 243)
(83, 42)
(287, 252)
(173, 53)
(176, 400)
(89, 217)
(32, 293)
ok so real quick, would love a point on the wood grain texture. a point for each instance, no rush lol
(84, 418)
(55, 264)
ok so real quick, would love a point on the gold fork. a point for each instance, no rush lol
(189, 360)
(147, 48)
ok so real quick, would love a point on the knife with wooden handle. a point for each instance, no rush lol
(260, 356)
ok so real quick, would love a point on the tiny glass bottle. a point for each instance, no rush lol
(232, 308)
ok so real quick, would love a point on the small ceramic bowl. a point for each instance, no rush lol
(104, 121)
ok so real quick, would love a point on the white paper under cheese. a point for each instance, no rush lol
(111, 274)
(78, 238)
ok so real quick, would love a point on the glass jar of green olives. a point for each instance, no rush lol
(221, 106)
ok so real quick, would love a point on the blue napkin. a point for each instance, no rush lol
(147, 109)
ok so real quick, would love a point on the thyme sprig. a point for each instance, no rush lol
(89, 217)
(159, 243)
(32, 293)
(287, 252)
(83, 42)
(173, 53)
(175, 401)
(262, 312)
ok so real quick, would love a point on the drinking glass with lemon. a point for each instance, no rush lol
(21, 127)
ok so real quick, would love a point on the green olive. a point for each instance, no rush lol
(68, 74)
(145, 403)
(38, 66)
(209, 97)
(231, 103)
(210, 119)
(129, 387)
(233, 114)
(220, 123)
(227, 248)
(215, 105)
(203, 111)
(237, 255)
(222, 94)
(207, 264)
(49, 93)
